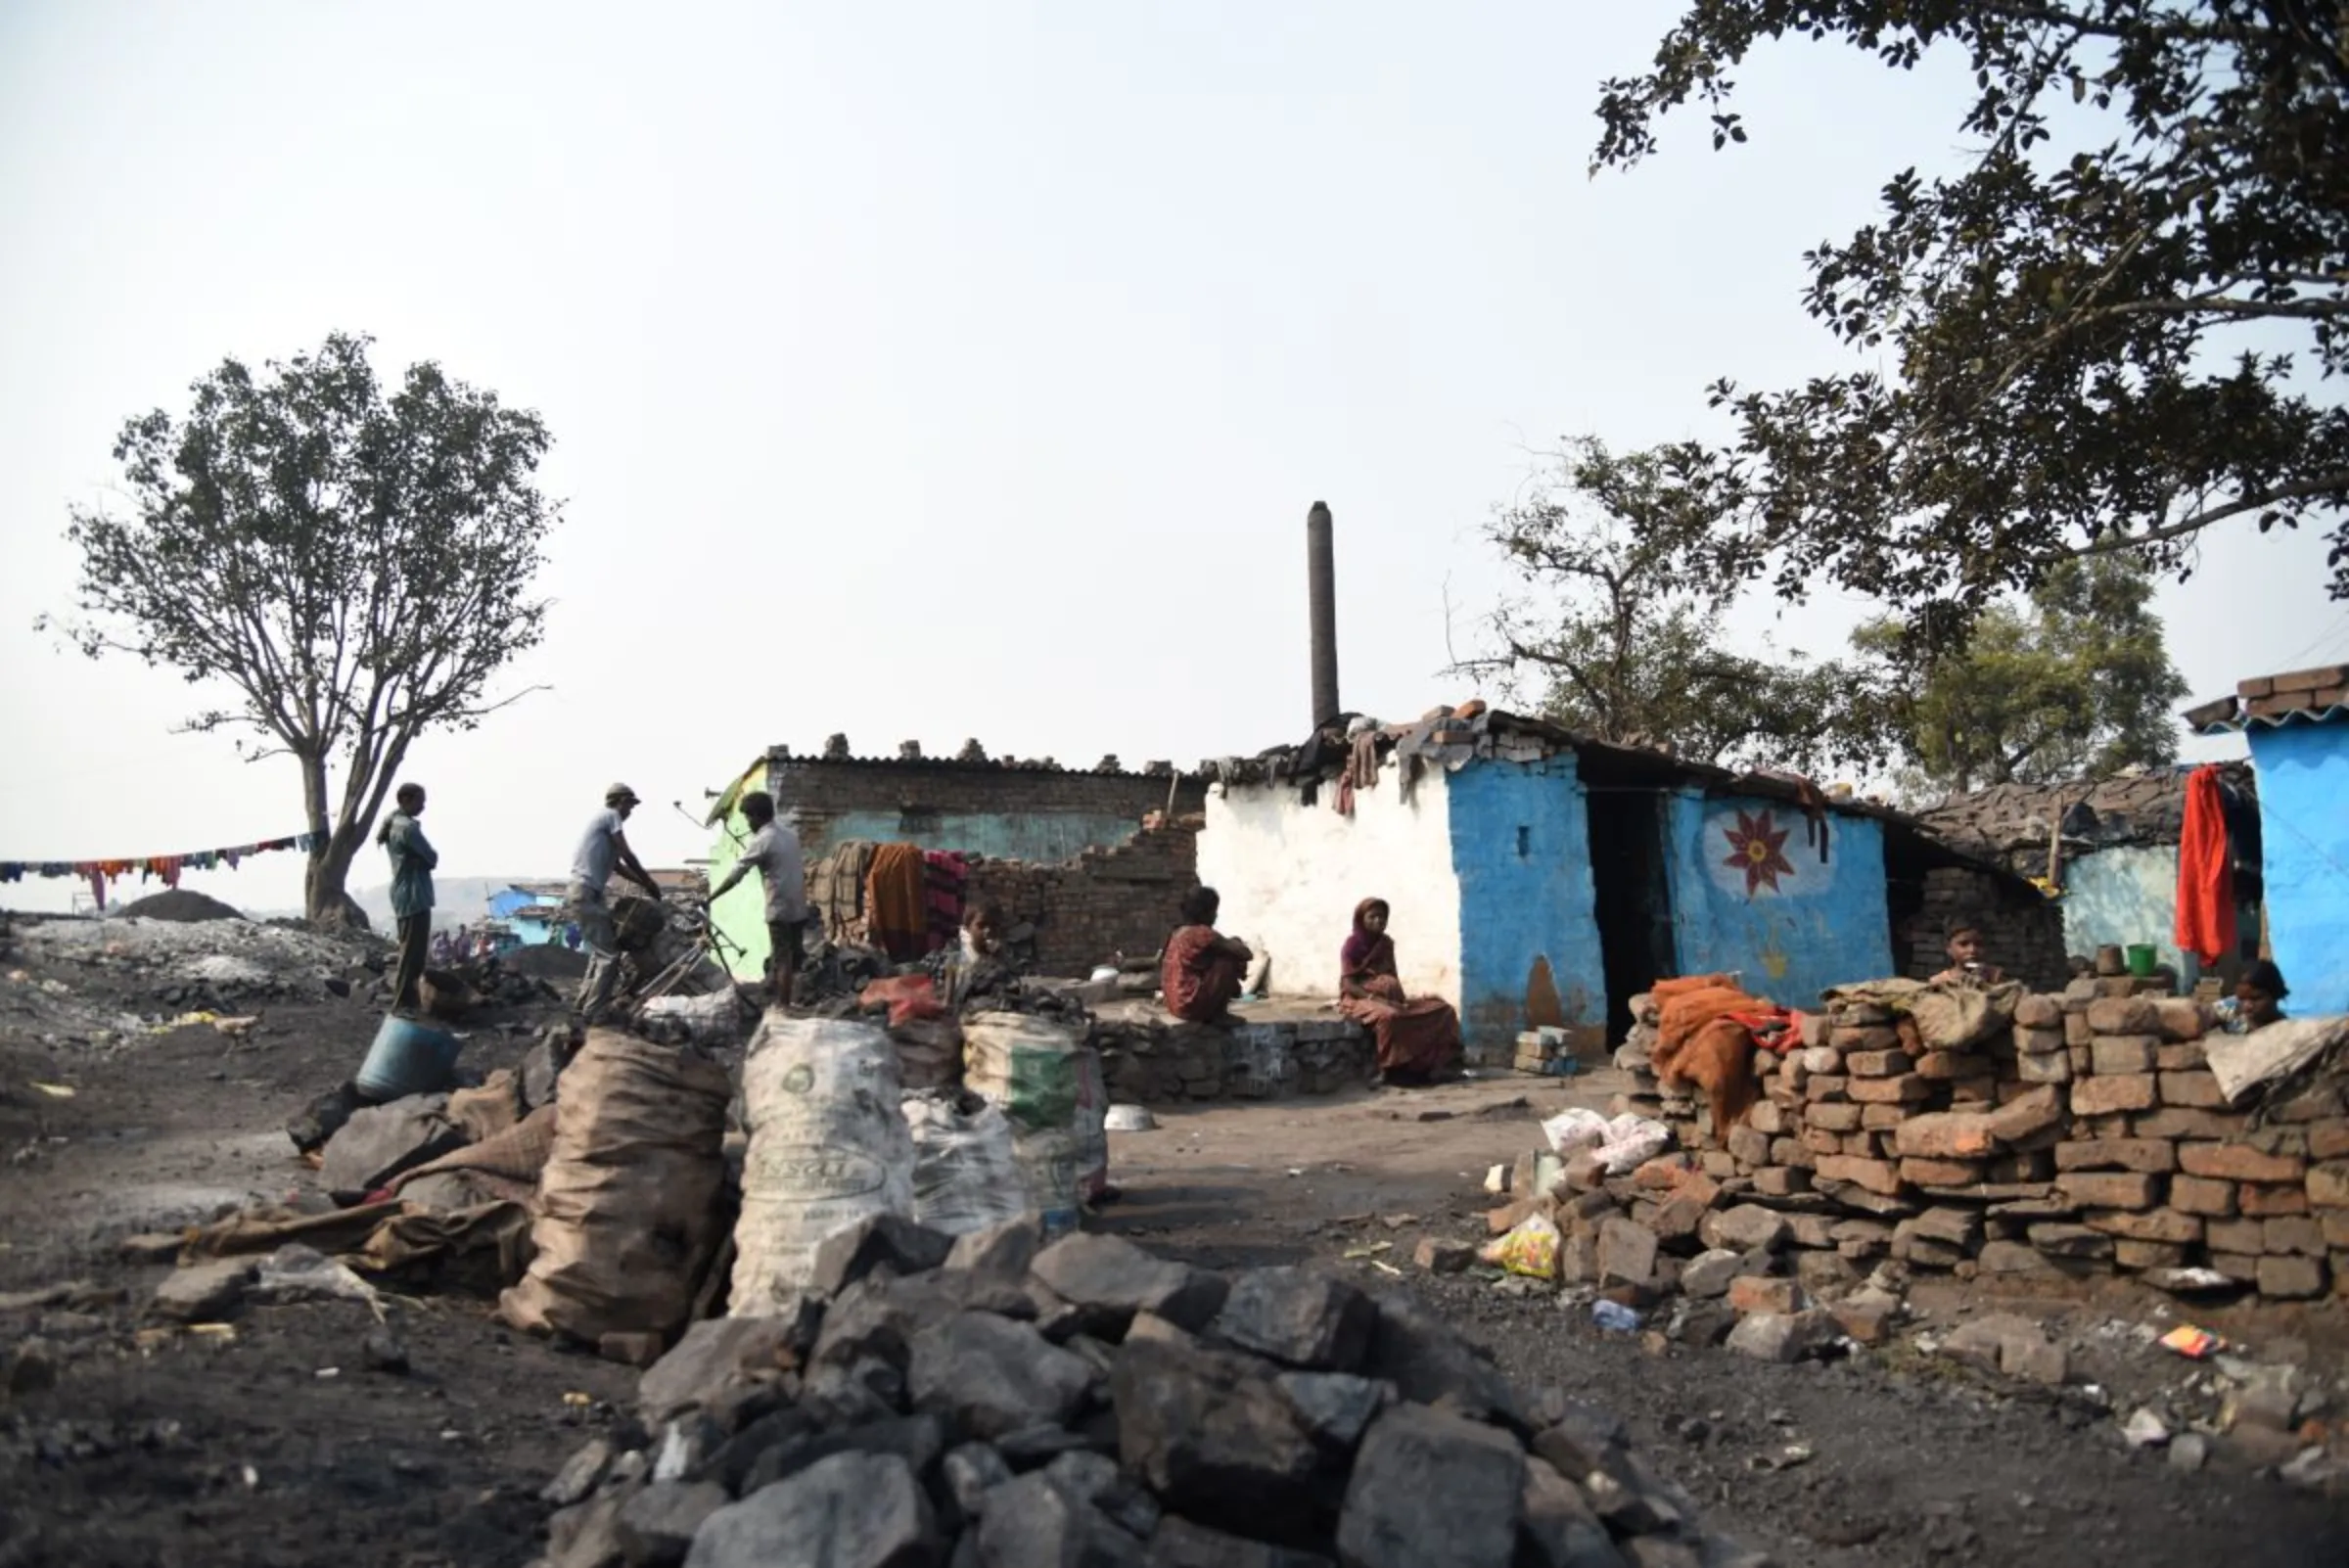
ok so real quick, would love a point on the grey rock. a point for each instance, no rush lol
(1584, 1439)
(2008, 1343)
(380, 1351)
(1431, 1490)
(1181, 1544)
(587, 1535)
(1557, 1527)
(1709, 1273)
(1035, 1446)
(730, 1467)
(1109, 1280)
(1030, 1523)
(1214, 1438)
(323, 1117)
(917, 1439)
(1627, 1253)
(200, 1292)
(852, 1510)
(30, 1367)
(1005, 1251)
(714, 1353)
(854, 1394)
(381, 1141)
(1661, 1551)
(970, 1471)
(1628, 1507)
(580, 1474)
(1744, 1228)
(1095, 1479)
(872, 1242)
(1298, 1316)
(2268, 1397)
(2188, 1452)
(875, 1319)
(656, 1527)
(993, 1376)
(1337, 1406)
(1782, 1337)
(1429, 1363)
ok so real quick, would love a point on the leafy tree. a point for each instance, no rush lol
(2092, 353)
(2074, 682)
(355, 567)
(1624, 644)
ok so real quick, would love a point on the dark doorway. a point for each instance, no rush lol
(1634, 905)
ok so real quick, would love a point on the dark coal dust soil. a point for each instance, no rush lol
(1912, 1462)
(166, 1450)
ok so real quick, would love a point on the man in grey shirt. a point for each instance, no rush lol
(603, 848)
(774, 849)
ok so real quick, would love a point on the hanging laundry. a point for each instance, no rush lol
(896, 902)
(2206, 924)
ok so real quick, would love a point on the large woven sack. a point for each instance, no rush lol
(628, 1202)
(1049, 1082)
(828, 1146)
(966, 1172)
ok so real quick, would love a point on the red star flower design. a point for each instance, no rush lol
(1757, 849)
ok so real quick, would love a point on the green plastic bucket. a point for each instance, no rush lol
(2142, 959)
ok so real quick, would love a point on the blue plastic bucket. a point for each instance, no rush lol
(408, 1058)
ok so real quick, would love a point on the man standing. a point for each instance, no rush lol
(603, 849)
(774, 850)
(412, 865)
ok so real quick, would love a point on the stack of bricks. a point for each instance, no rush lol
(2090, 1139)
(1547, 1051)
(1636, 1057)
(2274, 696)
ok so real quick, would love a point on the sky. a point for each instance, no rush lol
(934, 371)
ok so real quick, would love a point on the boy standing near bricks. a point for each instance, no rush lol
(1964, 950)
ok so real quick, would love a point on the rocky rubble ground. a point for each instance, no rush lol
(982, 1402)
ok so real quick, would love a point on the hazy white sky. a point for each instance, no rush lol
(923, 371)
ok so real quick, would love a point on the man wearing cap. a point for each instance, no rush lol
(603, 849)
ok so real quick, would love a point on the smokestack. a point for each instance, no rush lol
(1322, 588)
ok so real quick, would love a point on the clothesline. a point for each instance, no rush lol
(97, 873)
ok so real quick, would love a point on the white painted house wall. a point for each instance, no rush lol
(1290, 875)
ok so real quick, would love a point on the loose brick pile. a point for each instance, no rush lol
(2090, 1139)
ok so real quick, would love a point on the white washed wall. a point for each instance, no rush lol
(1291, 874)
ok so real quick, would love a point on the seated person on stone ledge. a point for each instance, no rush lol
(1417, 1040)
(1966, 967)
(976, 968)
(2256, 1001)
(1202, 971)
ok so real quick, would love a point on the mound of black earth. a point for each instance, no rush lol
(182, 904)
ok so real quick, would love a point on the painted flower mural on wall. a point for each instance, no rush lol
(1758, 847)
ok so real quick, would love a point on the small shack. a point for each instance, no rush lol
(2298, 728)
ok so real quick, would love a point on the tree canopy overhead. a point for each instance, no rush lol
(2075, 682)
(2092, 352)
(1624, 644)
(355, 567)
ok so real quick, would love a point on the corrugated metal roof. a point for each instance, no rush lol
(2334, 715)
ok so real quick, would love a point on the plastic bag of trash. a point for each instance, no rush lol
(1574, 1130)
(828, 1146)
(1049, 1082)
(295, 1273)
(966, 1172)
(1529, 1249)
(628, 1204)
(715, 1019)
(1632, 1141)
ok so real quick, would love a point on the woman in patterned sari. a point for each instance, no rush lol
(1417, 1040)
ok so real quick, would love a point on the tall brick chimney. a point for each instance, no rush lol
(1321, 590)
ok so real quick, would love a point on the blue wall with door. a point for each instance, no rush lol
(1750, 894)
(2304, 846)
(1521, 849)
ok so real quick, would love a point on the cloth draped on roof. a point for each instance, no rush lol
(897, 899)
(2205, 923)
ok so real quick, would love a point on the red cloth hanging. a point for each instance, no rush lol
(2205, 876)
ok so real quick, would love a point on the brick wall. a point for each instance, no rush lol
(820, 791)
(1087, 911)
(2025, 940)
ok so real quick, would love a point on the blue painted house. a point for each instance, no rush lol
(1538, 877)
(2298, 728)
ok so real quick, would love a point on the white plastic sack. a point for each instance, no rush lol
(712, 1019)
(1574, 1130)
(1049, 1082)
(828, 1146)
(966, 1172)
(1623, 1143)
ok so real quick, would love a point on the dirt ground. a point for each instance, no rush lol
(278, 1445)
